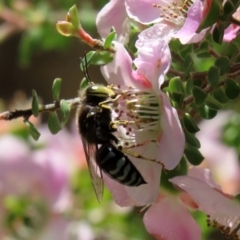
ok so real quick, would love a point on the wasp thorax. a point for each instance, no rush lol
(137, 116)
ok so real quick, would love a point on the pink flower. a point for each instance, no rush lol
(38, 184)
(181, 21)
(221, 211)
(162, 220)
(154, 137)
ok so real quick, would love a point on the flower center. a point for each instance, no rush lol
(174, 12)
(136, 114)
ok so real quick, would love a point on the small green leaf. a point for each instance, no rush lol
(56, 88)
(65, 110)
(101, 58)
(32, 130)
(84, 83)
(108, 42)
(220, 96)
(223, 64)
(213, 76)
(35, 104)
(176, 85)
(188, 63)
(192, 140)
(218, 33)
(232, 89)
(206, 112)
(211, 15)
(178, 98)
(229, 8)
(213, 104)
(199, 96)
(53, 123)
(193, 155)
(189, 124)
(73, 17)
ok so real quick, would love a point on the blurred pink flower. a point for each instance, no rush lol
(155, 138)
(38, 178)
(221, 159)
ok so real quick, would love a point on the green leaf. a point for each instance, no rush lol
(213, 76)
(199, 96)
(232, 89)
(32, 130)
(35, 104)
(218, 33)
(108, 42)
(65, 110)
(193, 155)
(213, 104)
(189, 124)
(56, 87)
(53, 123)
(73, 16)
(176, 85)
(229, 8)
(211, 15)
(220, 96)
(101, 58)
(188, 63)
(84, 83)
(206, 112)
(223, 64)
(178, 98)
(192, 140)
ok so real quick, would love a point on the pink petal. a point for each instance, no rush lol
(120, 72)
(142, 10)
(230, 32)
(167, 219)
(187, 33)
(112, 15)
(172, 142)
(137, 196)
(154, 60)
(208, 199)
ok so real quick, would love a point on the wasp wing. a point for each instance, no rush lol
(94, 170)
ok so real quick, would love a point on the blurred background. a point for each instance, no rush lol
(45, 188)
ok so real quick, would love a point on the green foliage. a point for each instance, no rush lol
(199, 96)
(189, 124)
(232, 89)
(213, 76)
(54, 123)
(56, 87)
(108, 41)
(211, 16)
(65, 110)
(231, 132)
(206, 112)
(32, 130)
(220, 96)
(193, 155)
(223, 64)
(191, 139)
(35, 104)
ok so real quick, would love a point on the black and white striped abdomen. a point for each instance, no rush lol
(118, 166)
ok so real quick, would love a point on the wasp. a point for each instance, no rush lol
(101, 146)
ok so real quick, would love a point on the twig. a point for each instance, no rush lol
(10, 115)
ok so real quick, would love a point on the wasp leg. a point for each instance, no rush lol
(137, 155)
(104, 104)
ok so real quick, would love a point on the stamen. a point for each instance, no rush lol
(174, 13)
